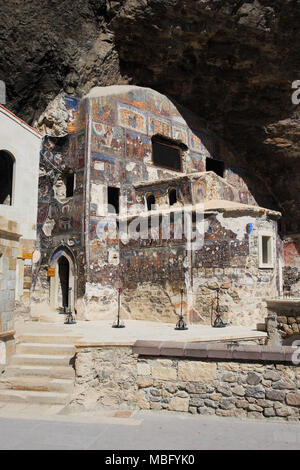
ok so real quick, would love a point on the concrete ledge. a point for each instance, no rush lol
(101, 344)
(214, 351)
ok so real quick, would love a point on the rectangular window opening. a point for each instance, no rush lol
(166, 155)
(266, 250)
(217, 166)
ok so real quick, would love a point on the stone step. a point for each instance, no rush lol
(46, 338)
(43, 360)
(23, 396)
(40, 384)
(53, 372)
(46, 349)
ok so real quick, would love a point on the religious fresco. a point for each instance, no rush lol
(195, 142)
(194, 163)
(159, 126)
(103, 109)
(42, 213)
(107, 139)
(138, 146)
(77, 114)
(176, 116)
(104, 168)
(157, 104)
(132, 118)
(180, 133)
(135, 98)
(199, 191)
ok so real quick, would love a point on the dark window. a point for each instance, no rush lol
(69, 182)
(215, 165)
(113, 195)
(172, 197)
(166, 154)
(150, 202)
(6, 178)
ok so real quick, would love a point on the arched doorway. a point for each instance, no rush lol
(150, 202)
(62, 284)
(6, 177)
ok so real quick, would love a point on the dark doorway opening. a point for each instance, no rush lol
(172, 197)
(6, 178)
(69, 182)
(150, 202)
(217, 166)
(113, 198)
(64, 272)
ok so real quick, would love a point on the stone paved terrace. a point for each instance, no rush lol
(101, 332)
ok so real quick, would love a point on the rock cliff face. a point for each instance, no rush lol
(232, 62)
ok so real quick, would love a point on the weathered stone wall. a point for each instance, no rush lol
(208, 379)
(105, 376)
(285, 317)
(9, 254)
(9, 251)
(219, 388)
(242, 381)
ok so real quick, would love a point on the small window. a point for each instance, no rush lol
(150, 201)
(113, 198)
(217, 166)
(172, 197)
(166, 153)
(266, 251)
(6, 178)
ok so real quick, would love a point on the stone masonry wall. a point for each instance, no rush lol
(245, 381)
(9, 250)
(207, 380)
(105, 376)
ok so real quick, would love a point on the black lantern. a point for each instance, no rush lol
(181, 325)
(218, 323)
(118, 323)
(70, 320)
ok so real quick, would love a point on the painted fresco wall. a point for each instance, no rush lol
(109, 144)
(60, 219)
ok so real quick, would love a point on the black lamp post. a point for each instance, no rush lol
(218, 323)
(118, 323)
(181, 325)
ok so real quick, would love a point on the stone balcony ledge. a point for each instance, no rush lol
(213, 351)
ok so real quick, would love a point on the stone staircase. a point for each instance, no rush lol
(41, 371)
